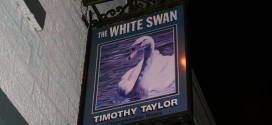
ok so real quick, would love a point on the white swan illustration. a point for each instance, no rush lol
(154, 72)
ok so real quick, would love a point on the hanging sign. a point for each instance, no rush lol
(137, 69)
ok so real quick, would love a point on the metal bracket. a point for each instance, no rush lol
(134, 8)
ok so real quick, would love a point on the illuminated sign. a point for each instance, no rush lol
(137, 69)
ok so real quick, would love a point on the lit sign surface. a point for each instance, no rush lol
(137, 69)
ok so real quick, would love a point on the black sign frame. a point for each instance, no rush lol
(186, 113)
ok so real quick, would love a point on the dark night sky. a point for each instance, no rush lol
(232, 57)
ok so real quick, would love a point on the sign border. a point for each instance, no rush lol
(187, 72)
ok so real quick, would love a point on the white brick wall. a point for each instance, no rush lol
(41, 72)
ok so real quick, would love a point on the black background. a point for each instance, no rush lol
(231, 55)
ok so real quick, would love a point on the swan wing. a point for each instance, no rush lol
(129, 78)
(161, 74)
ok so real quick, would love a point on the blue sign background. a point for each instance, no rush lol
(108, 63)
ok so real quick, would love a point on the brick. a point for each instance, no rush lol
(48, 26)
(69, 55)
(41, 99)
(14, 93)
(22, 101)
(23, 48)
(3, 74)
(5, 51)
(71, 77)
(70, 92)
(13, 10)
(44, 121)
(79, 72)
(59, 119)
(21, 73)
(73, 112)
(30, 35)
(41, 50)
(77, 4)
(51, 7)
(44, 103)
(67, 5)
(41, 72)
(44, 78)
(51, 39)
(52, 66)
(81, 63)
(19, 42)
(35, 63)
(74, 44)
(63, 65)
(76, 16)
(58, 56)
(34, 116)
(58, 97)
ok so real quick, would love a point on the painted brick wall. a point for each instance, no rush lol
(41, 72)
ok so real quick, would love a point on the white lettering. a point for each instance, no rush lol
(173, 15)
(114, 31)
(123, 29)
(149, 22)
(133, 25)
(126, 28)
(154, 106)
(159, 105)
(114, 115)
(126, 112)
(165, 17)
(139, 24)
(174, 102)
(106, 117)
(157, 19)
(120, 113)
(166, 104)
(95, 118)
(143, 108)
(133, 110)
(161, 18)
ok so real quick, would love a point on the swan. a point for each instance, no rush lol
(154, 73)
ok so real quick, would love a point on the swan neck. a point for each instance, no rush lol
(138, 91)
(148, 53)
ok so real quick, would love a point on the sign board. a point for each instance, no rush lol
(137, 69)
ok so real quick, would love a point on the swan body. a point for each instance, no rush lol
(154, 72)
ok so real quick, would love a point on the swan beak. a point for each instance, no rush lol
(134, 50)
(132, 54)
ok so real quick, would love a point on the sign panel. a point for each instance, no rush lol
(137, 69)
